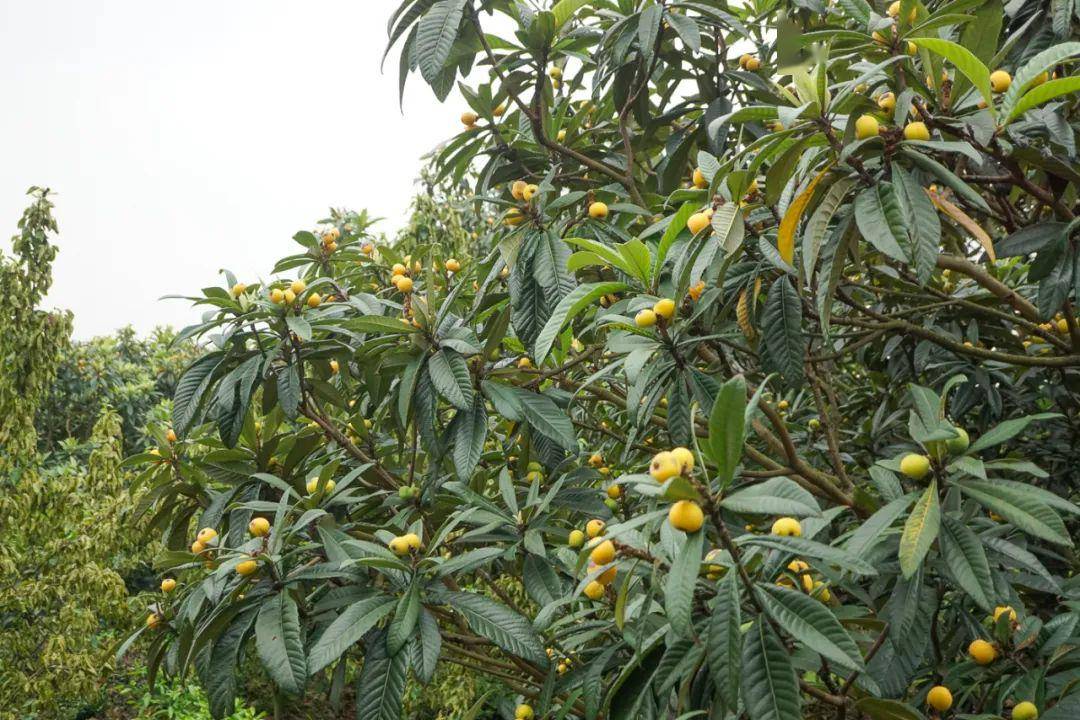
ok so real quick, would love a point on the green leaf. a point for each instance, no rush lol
(405, 617)
(430, 647)
(1032, 69)
(727, 428)
(811, 622)
(449, 374)
(681, 581)
(347, 629)
(920, 530)
(379, 324)
(809, 548)
(776, 496)
(568, 308)
(728, 230)
(965, 61)
(435, 37)
(299, 326)
(470, 432)
(966, 559)
(380, 686)
(190, 389)
(565, 9)
(923, 224)
(725, 638)
(946, 176)
(770, 689)
(499, 624)
(220, 681)
(280, 644)
(881, 221)
(288, 390)
(676, 225)
(648, 31)
(782, 333)
(1019, 508)
(544, 415)
(881, 709)
(541, 582)
(866, 536)
(1006, 431)
(817, 227)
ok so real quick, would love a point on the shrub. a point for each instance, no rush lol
(754, 387)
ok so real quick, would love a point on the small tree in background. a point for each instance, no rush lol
(67, 531)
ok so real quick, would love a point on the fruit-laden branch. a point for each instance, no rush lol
(536, 121)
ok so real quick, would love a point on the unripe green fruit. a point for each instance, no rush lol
(612, 504)
(960, 443)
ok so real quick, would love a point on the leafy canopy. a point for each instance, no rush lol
(866, 234)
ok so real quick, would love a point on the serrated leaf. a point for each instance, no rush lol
(188, 397)
(782, 331)
(724, 641)
(280, 644)
(802, 547)
(965, 61)
(811, 622)
(1034, 67)
(347, 629)
(1021, 509)
(499, 624)
(380, 685)
(818, 225)
(964, 554)
(1044, 93)
(449, 374)
(403, 624)
(568, 308)
(777, 496)
(544, 415)
(923, 224)
(470, 432)
(880, 220)
(435, 37)
(769, 688)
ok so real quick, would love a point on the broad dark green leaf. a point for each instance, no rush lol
(280, 643)
(380, 686)
(500, 624)
(681, 581)
(769, 687)
(811, 622)
(782, 334)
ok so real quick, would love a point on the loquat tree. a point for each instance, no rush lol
(758, 402)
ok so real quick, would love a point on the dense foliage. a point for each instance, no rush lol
(129, 374)
(759, 400)
(63, 527)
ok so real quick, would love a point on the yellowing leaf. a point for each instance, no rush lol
(785, 239)
(965, 221)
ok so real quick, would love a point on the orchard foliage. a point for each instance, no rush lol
(66, 530)
(763, 384)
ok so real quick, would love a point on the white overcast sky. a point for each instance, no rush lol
(186, 137)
